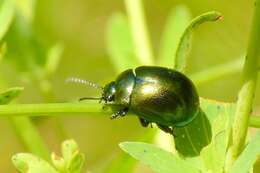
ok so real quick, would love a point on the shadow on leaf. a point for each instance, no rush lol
(191, 139)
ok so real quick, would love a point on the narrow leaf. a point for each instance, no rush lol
(9, 95)
(120, 44)
(185, 41)
(28, 163)
(71, 161)
(175, 26)
(26, 9)
(76, 163)
(3, 49)
(30, 56)
(139, 31)
(58, 162)
(159, 160)
(247, 158)
(68, 148)
(6, 16)
(213, 155)
(53, 58)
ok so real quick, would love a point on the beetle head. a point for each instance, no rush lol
(109, 91)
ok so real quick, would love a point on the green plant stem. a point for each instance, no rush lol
(60, 109)
(139, 30)
(216, 72)
(50, 108)
(24, 127)
(246, 94)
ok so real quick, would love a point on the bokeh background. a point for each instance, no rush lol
(80, 25)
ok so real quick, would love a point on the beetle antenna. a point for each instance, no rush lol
(83, 81)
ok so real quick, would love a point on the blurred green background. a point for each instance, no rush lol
(80, 25)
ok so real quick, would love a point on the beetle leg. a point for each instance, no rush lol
(121, 113)
(166, 129)
(144, 122)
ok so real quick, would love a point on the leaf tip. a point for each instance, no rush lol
(220, 17)
(122, 145)
(19, 163)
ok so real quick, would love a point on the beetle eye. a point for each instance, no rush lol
(111, 98)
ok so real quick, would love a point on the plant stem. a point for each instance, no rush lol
(216, 72)
(24, 127)
(139, 30)
(60, 109)
(246, 94)
(50, 108)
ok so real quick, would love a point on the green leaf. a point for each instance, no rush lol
(191, 139)
(28, 163)
(71, 161)
(58, 162)
(3, 49)
(68, 148)
(175, 26)
(213, 155)
(29, 58)
(9, 95)
(53, 58)
(247, 158)
(120, 44)
(76, 163)
(6, 15)
(159, 160)
(26, 9)
(185, 41)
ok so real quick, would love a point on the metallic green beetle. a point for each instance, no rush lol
(155, 94)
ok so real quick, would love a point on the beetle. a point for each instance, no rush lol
(155, 94)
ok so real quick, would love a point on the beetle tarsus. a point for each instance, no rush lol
(121, 113)
(166, 129)
(144, 122)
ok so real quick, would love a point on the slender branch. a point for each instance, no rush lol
(24, 127)
(140, 36)
(60, 109)
(50, 108)
(246, 94)
(217, 72)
